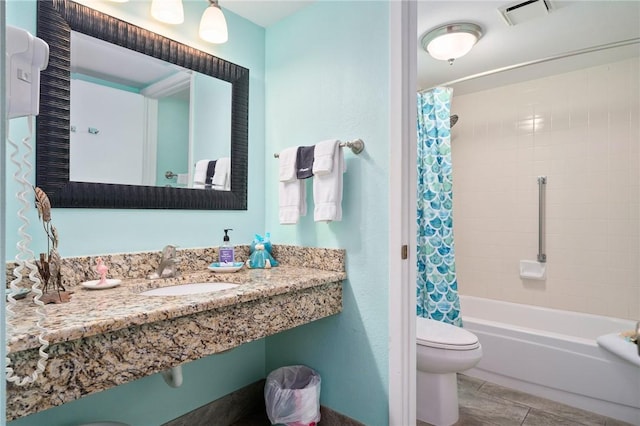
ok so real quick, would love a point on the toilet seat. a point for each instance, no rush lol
(440, 335)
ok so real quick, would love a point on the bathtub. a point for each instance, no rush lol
(553, 354)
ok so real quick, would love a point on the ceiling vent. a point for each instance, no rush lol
(524, 11)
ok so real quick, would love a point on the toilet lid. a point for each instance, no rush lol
(438, 334)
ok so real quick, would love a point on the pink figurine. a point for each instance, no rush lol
(102, 269)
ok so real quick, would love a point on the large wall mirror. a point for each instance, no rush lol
(188, 94)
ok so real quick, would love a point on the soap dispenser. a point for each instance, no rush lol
(227, 251)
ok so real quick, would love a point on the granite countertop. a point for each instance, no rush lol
(108, 337)
(94, 312)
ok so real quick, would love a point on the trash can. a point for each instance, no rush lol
(292, 396)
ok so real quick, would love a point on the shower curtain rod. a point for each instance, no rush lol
(539, 61)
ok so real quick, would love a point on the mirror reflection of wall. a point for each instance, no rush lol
(142, 123)
(173, 147)
(211, 119)
(107, 141)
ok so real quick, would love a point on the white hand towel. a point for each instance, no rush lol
(200, 173)
(292, 192)
(287, 164)
(327, 191)
(293, 201)
(222, 176)
(323, 156)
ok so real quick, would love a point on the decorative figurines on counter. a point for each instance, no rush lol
(104, 282)
(261, 253)
(50, 263)
(101, 269)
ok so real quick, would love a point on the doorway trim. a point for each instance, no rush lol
(402, 182)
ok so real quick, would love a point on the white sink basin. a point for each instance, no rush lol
(183, 289)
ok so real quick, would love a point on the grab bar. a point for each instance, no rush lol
(542, 182)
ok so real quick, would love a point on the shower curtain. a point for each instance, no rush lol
(437, 286)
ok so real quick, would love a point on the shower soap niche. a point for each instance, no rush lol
(532, 270)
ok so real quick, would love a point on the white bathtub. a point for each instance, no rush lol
(554, 354)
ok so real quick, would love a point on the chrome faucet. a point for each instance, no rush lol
(168, 266)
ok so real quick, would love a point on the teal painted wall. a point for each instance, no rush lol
(173, 139)
(94, 231)
(327, 77)
(212, 119)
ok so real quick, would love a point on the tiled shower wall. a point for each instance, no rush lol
(581, 130)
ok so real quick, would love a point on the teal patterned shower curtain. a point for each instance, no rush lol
(437, 286)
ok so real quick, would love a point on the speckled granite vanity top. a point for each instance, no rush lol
(92, 312)
(104, 338)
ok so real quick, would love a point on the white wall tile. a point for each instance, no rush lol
(581, 130)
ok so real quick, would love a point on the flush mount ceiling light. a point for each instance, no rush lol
(168, 11)
(451, 41)
(213, 26)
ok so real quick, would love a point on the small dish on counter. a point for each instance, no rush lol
(217, 267)
(95, 284)
(20, 293)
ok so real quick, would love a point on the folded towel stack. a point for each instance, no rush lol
(213, 174)
(325, 162)
(200, 173)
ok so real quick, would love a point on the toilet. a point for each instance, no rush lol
(442, 350)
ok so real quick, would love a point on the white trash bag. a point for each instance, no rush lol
(292, 396)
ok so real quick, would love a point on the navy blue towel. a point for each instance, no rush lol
(304, 161)
(211, 170)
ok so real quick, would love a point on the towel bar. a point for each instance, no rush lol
(356, 145)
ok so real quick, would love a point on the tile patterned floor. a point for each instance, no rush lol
(487, 404)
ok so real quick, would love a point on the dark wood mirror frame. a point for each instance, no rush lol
(56, 19)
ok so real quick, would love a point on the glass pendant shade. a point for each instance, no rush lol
(168, 11)
(213, 26)
(451, 46)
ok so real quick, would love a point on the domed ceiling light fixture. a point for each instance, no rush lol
(450, 42)
(168, 11)
(213, 26)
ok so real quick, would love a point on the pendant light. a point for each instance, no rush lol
(168, 11)
(213, 26)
